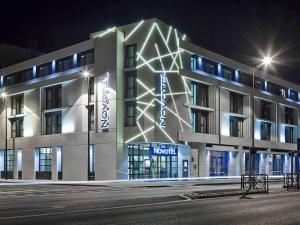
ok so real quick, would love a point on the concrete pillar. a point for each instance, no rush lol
(28, 163)
(15, 175)
(106, 161)
(270, 163)
(202, 160)
(54, 163)
(242, 160)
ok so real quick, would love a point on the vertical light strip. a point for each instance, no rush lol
(134, 30)
(177, 41)
(169, 33)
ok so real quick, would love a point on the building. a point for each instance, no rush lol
(141, 101)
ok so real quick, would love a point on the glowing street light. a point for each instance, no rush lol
(85, 73)
(3, 95)
(267, 60)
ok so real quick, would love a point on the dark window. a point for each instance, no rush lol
(45, 160)
(274, 88)
(227, 73)
(17, 105)
(199, 121)
(130, 114)
(130, 84)
(64, 64)
(26, 74)
(44, 69)
(17, 127)
(91, 118)
(289, 115)
(53, 97)
(245, 79)
(18, 77)
(199, 94)
(265, 131)
(289, 134)
(92, 89)
(236, 103)
(294, 95)
(209, 66)
(236, 127)
(265, 110)
(53, 122)
(86, 57)
(259, 83)
(130, 56)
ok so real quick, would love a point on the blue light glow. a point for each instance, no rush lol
(75, 59)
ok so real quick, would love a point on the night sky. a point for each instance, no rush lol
(237, 29)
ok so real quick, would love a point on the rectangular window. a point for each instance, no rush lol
(130, 84)
(199, 94)
(289, 134)
(195, 62)
(293, 95)
(64, 64)
(91, 118)
(130, 56)
(259, 83)
(17, 105)
(265, 131)
(265, 110)
(236, 103)
(236, 127)
(227, 73)
(200, 121)
(53, 97)
(17, 127)
(53, 122)
(289, 115)
(130, 114)
(10, 160)
(44, 69)
(86, 57)
(92, 89)
(45, 159)
(245, 79)
(209, 67)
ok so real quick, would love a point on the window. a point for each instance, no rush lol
(265, 110)
(130, 56)
(92, 89)
(18, 77)
(236, 127)
(293, 95)
(45, 159)
(236, 103)
(64, 64)
(130, 84)
(86, 57)
(218, 163)
(209, 67)
(245, 79)
(91, 118)
(53, 97)
(265, 131)
(289, 134)
(289, 115)
(44, 69)
(199, 121)
(195, 62)
(17, 105)
(274, 88)
(10, 160)
(199, 94)
(227, 73)
(53, 122)
(17, 127)
(130, 114)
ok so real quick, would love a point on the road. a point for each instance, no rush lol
(142, 204)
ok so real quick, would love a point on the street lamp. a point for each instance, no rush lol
(4, 97)
(86, 74)
(266, 61)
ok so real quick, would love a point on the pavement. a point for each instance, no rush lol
(141, 202)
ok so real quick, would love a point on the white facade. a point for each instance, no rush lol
(160, 49)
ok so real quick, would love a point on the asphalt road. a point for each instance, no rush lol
(155, 204)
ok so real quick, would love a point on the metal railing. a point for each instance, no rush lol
(255, 183)
(291, 181)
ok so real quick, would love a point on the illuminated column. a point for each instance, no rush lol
(237, 76)
(54, 163)
(202, 160)
(242, 160)
(15, 175)
(219, 70)
(28, 165)
(270, 163)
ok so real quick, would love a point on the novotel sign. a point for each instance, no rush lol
(171, 151)
(163, 100)
(105, 104)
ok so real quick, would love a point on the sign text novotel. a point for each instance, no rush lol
(163, 151)
(163, 100)
(105, 104)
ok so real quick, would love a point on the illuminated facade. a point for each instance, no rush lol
(155, 105)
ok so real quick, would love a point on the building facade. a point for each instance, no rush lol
(141, 101)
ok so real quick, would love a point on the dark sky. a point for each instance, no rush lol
(237, 29)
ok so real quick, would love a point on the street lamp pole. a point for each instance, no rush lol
(251, 152)
(4, 97)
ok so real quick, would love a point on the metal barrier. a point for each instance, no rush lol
(255, 183)
(291, 181)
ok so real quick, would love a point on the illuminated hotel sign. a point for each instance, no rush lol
(163, 99)
(105, 104)
(170, 151)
